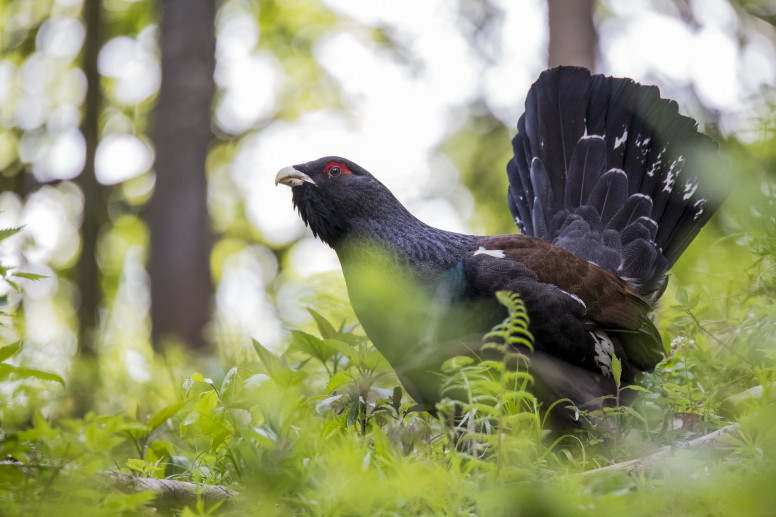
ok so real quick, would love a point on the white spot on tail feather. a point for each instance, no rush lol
(604, 349)
(621, 140)
(689, 190)
(656, 164)
(668, 182)
(699, 205)
(673, 171)
(492, 253)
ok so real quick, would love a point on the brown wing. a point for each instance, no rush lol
(609, 300)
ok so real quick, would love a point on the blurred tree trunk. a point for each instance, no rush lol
(573, 37)
(94, 213)
(179, 264)
(86, 372)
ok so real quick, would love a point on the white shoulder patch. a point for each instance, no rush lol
(492, 253)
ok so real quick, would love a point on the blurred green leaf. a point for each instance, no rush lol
(11, 350)
(616, 369)
(338, 380)
(232, 386)
(9, 232)
(30, 276)
(164, 414)
(20, 372)
(324, 327)
(311, 345)
(278, 371)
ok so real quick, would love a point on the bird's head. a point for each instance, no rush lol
(332, 194)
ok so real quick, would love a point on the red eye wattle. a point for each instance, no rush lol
(334, 169)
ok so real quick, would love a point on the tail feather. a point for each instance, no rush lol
(520, 176)
(544, 197)
(588, 163)
(615, 146)
(609, 193)
(556, 121)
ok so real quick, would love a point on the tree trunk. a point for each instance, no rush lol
(573, 37)
(94, 199)
(179, 264)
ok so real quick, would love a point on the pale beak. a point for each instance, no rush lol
(292, 177)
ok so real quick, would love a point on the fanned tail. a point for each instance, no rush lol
(606, 169)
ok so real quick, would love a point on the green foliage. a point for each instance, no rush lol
(10, 371)
(323, 427)
(9, 353)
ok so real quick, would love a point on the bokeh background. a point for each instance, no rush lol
(139, 141)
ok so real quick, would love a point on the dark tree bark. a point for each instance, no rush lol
(573, 36)
(179, 264)
(94, 199)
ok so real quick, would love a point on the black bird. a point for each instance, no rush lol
(605, 186)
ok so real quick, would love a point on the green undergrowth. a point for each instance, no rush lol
(324, 428)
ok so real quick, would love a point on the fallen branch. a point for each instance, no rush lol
(647, 462)
(170, 493)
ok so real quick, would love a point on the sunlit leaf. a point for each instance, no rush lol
(343, 348)
(338, 380)
(207, 402)
(30, 276)
(9, 232)
(636, 387)
(232, 386)
(164, 414)
(310, 345)
(278, 371)
(11, 350)
(324, 327)
(616, 369)
(197, 377)
(7, 370)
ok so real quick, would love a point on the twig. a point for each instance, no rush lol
(642, 464)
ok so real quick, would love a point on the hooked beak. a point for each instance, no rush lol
(292, 177)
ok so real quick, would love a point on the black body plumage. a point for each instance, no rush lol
(605, 187)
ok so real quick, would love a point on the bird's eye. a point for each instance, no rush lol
(334, 171)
